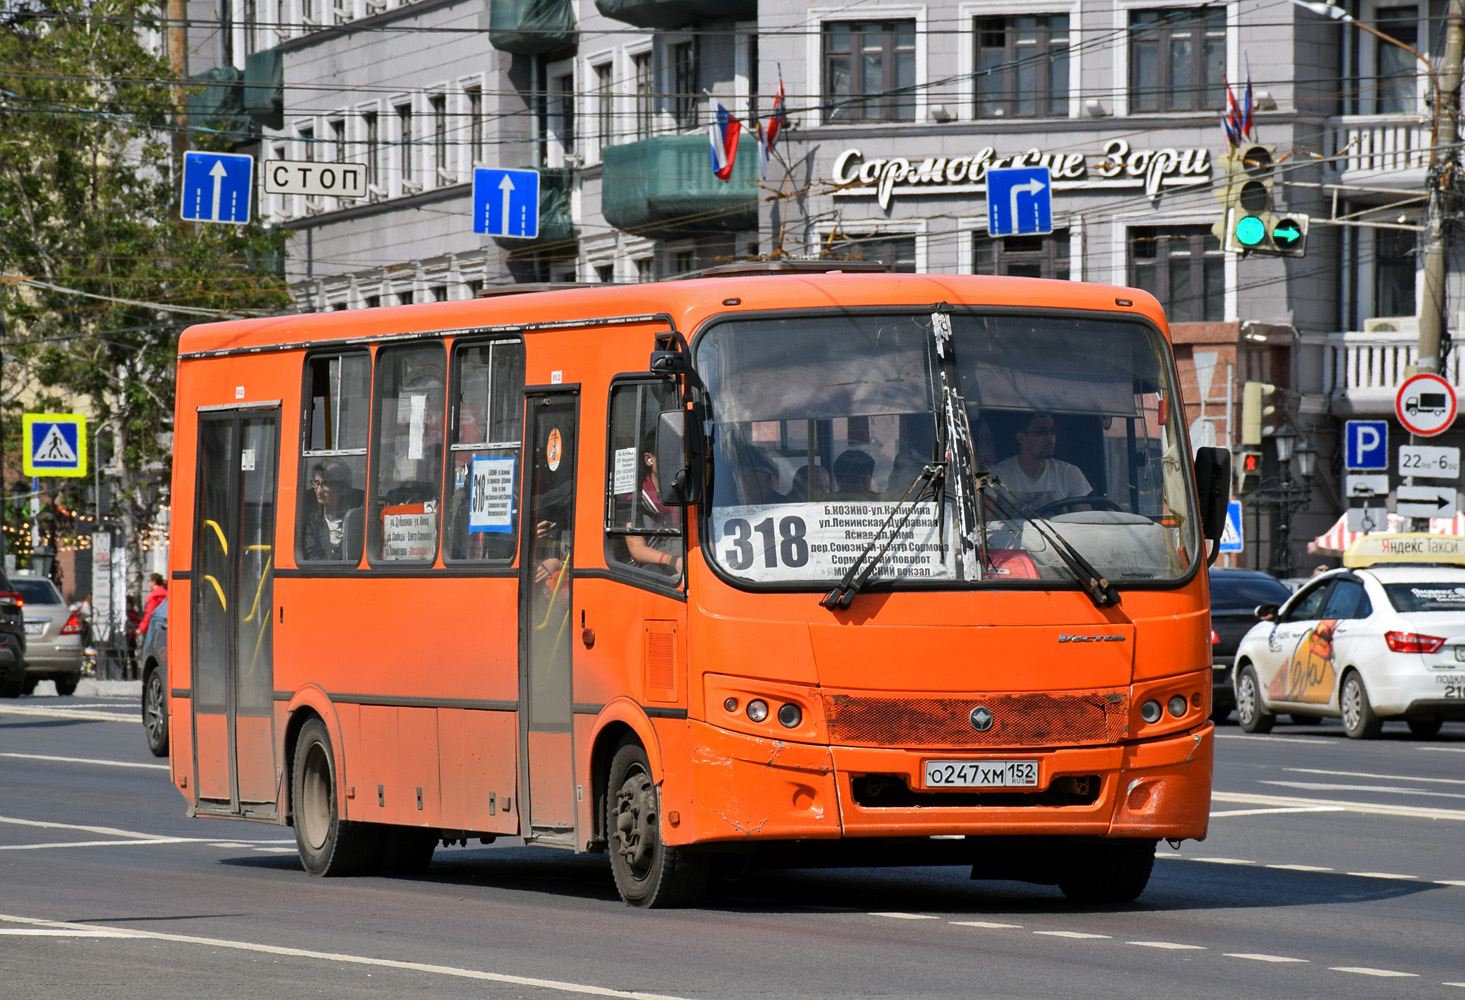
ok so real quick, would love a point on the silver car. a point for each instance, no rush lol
(53, 634)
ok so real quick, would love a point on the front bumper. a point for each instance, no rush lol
(746, 789)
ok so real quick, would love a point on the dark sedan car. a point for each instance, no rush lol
(154, 661)
(12, 640)
(1235, 594)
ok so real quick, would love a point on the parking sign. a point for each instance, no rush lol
(1367, 445)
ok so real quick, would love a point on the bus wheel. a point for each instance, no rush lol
(1249, 704)
(328, 845)
(1360, 721)
(1108, 871)
(647, 871)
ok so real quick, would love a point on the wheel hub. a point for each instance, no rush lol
(636, 821)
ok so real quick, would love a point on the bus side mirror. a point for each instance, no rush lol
(1213, 490)
(678, 458)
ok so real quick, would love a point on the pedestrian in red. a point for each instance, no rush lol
(156, 596)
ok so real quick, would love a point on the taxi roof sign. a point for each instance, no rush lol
(54, 444)
(1405, 547)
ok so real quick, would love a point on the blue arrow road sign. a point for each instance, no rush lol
(217, 187)
(1231, 535)
(1019, 202)
(1367, 445)
(506, 202)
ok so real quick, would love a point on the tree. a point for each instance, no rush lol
(100, 276)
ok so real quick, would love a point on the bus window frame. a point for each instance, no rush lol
(452, 447)
(306, 456)
(403, 567)
(644, 579)
(709, 322)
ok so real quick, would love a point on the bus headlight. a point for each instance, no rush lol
(1177, 705)
(757, 710)
(789, 716)
(1150, 711)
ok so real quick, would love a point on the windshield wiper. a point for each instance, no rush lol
(868, 560)
(1099, 589)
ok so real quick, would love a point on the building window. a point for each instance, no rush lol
(371, 127)
(333, 462)
(336, 129)
(1022, 256)
(474, 287)
(604, 105)
(683, 262)
(1022, 66)
(307, 143)
(473, 97)
(404, 298)
(373, 301)
(897, 253)
(870, 71)
(1395, 251)
(1176, 59)
(1394, 68)
(643, 268)
(563, 122)
(684, 85)
(605, 273)
(645, 95)
(437, 105)
(439, 293)
(1183, 267)
(404, 138)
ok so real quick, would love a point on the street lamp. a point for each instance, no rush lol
(1306, 460)
(1286, 497)
(1285, 438)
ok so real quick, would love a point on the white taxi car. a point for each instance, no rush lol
(1382, 638)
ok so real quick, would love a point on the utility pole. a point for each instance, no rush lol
(177, 42)
(1444, 164)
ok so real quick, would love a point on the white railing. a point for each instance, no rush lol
(1379, 144)
(1368, 368)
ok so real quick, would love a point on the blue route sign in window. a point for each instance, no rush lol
(1019, 202)
(217, 187)
(506, 202)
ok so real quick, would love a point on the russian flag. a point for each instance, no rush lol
(723, 132)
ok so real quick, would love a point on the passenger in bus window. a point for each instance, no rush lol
(758, 479)
(331, 530)
(854, 471)
(1033, 474)
(661, 552)
(809, 483)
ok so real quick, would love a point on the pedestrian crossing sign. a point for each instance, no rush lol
(55, 444)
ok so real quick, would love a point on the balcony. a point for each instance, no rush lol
(677, 13)
(556, 237)
(664, 186)
(1389, 151)
(1361, 372)
(532, 27)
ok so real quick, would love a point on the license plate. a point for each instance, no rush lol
(981, 774)
(35, 628)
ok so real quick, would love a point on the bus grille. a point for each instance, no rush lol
(1020, 720)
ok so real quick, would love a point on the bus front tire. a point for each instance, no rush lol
(1360, 721)
(1108, 871)
(1249, 713)
(648, 872)
(328, 845)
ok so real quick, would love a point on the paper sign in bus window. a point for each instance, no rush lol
(410, 536)
(491, 499)
(625, 471)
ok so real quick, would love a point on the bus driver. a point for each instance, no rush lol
(1033, 474)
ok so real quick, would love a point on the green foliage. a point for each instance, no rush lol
(89, 204)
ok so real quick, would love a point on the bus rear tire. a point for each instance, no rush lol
(1249, 713)
(1108, 871)
(328, 845)
(648, 872)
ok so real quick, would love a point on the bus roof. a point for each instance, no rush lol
(688, 302)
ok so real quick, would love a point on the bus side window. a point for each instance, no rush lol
(410, 396)
(488, 414)
(640, 531)
(332, 485)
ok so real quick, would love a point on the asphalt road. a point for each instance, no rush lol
(1333, 868)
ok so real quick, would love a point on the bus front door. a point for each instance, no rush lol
(546, 770)
(233, 601)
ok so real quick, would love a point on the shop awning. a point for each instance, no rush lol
(1337, 538)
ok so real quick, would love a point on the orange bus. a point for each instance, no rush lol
(784, 568)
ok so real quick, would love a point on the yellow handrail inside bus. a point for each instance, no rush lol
(220, 532)
(553, 592)
(264, 578)
(217, 590)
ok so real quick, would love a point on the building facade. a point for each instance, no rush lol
(896, 112)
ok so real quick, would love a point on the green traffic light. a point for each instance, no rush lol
(1285, 233)
(1250, 231)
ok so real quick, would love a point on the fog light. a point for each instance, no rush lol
(1150, 711)
(731, 704)
(1177, 705)
(790, 716)
(757, 709)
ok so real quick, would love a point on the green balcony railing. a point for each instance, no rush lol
(556, 226)
(665, 186)
(677, 13)
(531, 27)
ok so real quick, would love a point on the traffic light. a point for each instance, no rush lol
(1254, 410)
(1248, 471)
(1251, 223)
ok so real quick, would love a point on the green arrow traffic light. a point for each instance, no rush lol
(1250, 231)
(1286, 234)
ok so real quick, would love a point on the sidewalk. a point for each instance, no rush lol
(90, 687)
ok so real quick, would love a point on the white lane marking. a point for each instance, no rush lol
(1461, 985)
(906, 916)
(1319, 786)
(1263, 958)
(1224, 861)
(1077, 935)
(988, 924)
(58, 932)
(283, 850)
(1359, 970)
(1444, 882)
(1362, 808)
(1301, 868)
(1278, 810)
(1168, 945)
(381, 963)
(1442, 750)
(1382, 875)
(1366, 774)
(62, 713)
(1253, 738)
(99, 843)
(106, 831)
(83, 760)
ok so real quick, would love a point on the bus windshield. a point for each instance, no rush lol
(822, 424)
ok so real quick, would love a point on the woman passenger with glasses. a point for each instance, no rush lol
(326, 528)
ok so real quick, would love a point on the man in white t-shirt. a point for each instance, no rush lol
(1033, 474)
